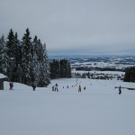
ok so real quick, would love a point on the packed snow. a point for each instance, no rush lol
(98, 110)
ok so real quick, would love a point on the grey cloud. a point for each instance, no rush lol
(70, 25)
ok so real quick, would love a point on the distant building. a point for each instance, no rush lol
(2, 77)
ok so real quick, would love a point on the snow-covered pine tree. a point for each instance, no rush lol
(35, 45)
(40, 50)
(17, 58)
(35, 63)
(37, 55)
(34, 68)
(11, 53)
(26, 57)
(3, 56)
(44, 78)
(10, 43)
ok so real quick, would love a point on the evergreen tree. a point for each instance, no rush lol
(26, 57)
(10, 52)
(65, 70)
(68, 70)
(54, 69)
(40, 51)
(35, 71)
(26, 61)
(36, 45)
(19, 73)
(34, 68)
(44, 78)
(17, 58)
(3, 56)
(130, 75)
(60, 69)
(10, 44)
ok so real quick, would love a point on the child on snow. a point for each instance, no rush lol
(56, 87)
(79, 90)
(11, 85)
(119, 90)
(34, 86)
(53, 88)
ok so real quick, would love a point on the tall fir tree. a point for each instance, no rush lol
(35, 71)
(26, 57)
(17, 58)
(54, 69)
(64, 68)
(11, 53)
(3, 56)
(60, 69)
(10, 44)
(68, 70)
(44, 78)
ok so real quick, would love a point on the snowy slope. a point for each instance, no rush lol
(98, 110)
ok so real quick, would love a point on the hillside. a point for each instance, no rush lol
(109, 61)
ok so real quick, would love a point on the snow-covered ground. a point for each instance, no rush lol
(98, 110)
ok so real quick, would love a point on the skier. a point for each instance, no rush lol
(11, 85)
(119, 90)
(85, 88)
(56, 87)
(79, 88)
(53, 88)
(34, 86)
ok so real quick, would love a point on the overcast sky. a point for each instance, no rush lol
(94, 27)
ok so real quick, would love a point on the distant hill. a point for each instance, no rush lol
(118, 62)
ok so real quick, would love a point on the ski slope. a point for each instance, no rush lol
(98, 110)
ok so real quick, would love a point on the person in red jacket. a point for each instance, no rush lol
(11, 85)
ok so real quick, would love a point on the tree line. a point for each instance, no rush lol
(130, 75)
(26, 60)
(60, 69)
(99, 69)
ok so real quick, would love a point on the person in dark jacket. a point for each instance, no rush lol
(34, 86)
(56, 87)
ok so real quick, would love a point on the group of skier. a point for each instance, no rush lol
(55, 87)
